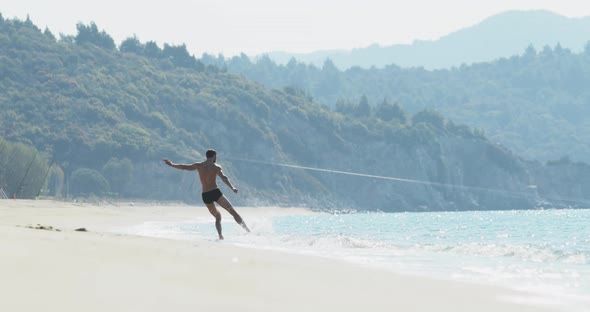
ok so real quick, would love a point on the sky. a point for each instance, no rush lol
(252, 27)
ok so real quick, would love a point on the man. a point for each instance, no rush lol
(208, 171)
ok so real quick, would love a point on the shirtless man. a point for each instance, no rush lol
(208, 171)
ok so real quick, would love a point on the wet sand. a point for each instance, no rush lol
(46, 265)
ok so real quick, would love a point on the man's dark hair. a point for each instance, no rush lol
(210, 153)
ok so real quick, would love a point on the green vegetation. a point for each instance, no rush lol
(534, 103)
(107, 115)
(87, 181)
(22, 170)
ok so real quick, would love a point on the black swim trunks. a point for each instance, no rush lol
(211, 196)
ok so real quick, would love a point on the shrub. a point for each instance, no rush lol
(86, 181)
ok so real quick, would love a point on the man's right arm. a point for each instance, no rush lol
(180, 166)
(225, 180)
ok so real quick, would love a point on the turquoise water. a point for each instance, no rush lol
(544, 251)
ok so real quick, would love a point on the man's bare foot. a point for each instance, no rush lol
(245, 227)
(220, 237)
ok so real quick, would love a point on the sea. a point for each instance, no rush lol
(545, 252)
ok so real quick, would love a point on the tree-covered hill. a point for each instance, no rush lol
(537, 104)
(104, 116)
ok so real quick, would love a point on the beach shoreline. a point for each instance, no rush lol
(57, 268)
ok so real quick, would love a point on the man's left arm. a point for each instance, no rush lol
(181, 166)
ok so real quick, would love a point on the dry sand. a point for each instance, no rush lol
(98, 270)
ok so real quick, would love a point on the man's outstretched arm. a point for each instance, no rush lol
(180, 166)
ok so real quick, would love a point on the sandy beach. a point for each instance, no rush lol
(101, 270)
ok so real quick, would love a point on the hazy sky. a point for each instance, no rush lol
(255, 26)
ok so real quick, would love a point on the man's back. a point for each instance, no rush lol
(208, 172)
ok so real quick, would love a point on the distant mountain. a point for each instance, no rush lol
(501, 35)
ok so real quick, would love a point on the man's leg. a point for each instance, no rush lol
(224, 202)
(217, 216)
